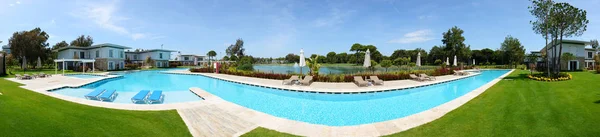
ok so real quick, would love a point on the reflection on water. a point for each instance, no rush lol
(287, 69)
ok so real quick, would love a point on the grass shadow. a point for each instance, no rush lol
(517, 77)
(597, 102)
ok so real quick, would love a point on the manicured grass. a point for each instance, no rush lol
(263, 132)
(26, 113)
(47, 71)
(517, 106)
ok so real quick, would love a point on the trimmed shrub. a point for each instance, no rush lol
(246, 67)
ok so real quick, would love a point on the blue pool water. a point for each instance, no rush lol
(84, 76)
(325, 109)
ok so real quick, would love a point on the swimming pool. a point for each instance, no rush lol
(84, 76)
(325, 109)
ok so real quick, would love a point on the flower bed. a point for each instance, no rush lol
(561, 77)
(387, 76)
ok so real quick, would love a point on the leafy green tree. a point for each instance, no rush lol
(356, 47)
(594, 44)
(342, 57)
(236, 49)
(331, 57)
(292, 58)
(149, 61)
(438, 62)
(566, 21)
(513, 50)
(226, 58)
(454, 44)
(540, 9)
(210, 55)
(83, 41)
(437, 53)
(29, 44)
(372, 67)
(60, 45)
(386, 64)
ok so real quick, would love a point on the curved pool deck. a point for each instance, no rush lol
(229, 119)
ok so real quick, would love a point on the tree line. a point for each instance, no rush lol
(510, 51)
(32, 44)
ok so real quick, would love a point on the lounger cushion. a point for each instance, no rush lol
(156, 94)
(108, 94)
(141, 95)
(95, 93)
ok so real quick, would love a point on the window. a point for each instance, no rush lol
(111, 65)
(82, 54)
(74, 54)
(186, 58)
(110, 53)
(121, 54)
(97, 53)
(160, 54)
(590, 55)
(135, 57)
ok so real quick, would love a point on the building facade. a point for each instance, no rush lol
(107, 56)
(6, 49)
(189, 60)
(583, 56)
(159, 56)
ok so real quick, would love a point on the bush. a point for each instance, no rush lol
(202, 70)
(246, 67)
(131, 66)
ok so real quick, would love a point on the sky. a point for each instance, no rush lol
(274, 28)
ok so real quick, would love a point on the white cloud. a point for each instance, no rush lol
(11, 5)
(18, 2)
(336, 16)
(105, 16)
(414, 37)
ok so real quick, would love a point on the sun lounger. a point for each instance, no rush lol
(140, 96)
(290, 81)
(94, 94)
(26, 76)
(460, 73)
(156, 96)
(45, 75)
(358, 80)
(376, 80)
(18, 76)
(108, 95)
(423, 75)
(306, 81)
(414, 77)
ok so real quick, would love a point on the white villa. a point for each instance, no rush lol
(584, 56)
(189, 60)
(106, 56)
(160, 56)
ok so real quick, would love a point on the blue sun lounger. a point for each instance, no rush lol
(94, 94)
(140, 96)
(156, 96)
(108, 95)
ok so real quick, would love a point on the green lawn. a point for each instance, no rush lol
(522, 107)
(47, 71)
(26, 113)
(263, 132)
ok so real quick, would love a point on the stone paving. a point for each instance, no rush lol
(216, 117)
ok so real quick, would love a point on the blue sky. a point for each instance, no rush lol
(272, 28)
